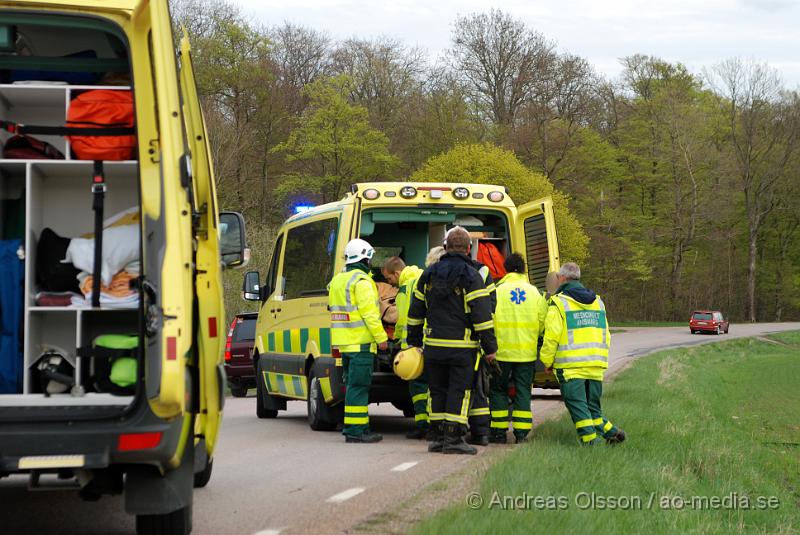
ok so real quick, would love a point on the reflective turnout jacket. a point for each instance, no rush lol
(453, 299)
(576, 333)
(355, 313)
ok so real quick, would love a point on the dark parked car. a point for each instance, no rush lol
(239, 353)
(708, 321)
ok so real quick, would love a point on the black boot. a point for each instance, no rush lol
(498, 437)
(435, 437)
(418, 433)
(618, 438)
(365, 438)
(454, 440)
(478, 440)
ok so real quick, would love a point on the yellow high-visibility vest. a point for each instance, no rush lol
(518, 318)
(585, 338)
(355, 321)
(408, 282)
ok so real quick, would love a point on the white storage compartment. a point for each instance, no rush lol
(57, 195)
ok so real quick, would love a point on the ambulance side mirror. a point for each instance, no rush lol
(233, 248)
(251, 287)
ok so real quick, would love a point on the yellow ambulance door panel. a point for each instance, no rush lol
(535, 235)
(176, 291)
(302, 322)
(267, 315)
(208, 280)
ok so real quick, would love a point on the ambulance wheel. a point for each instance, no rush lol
(320, 417)
(261, 398)
(175, 523)
(239, 391)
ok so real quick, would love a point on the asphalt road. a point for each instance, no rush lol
(279, 476)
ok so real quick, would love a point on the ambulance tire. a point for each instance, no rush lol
(175, 523)
(239, 391)
(321, 417)
(261, 398)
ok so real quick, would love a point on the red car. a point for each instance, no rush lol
(708, 321)
(239, 353)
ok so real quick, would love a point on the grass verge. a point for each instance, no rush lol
(714, 447)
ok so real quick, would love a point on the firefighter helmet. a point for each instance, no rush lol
(408, 364)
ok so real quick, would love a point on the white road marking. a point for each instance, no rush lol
(346, 495)
(404, 466)
(270, 531)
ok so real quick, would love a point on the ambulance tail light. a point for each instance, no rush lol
(138, 441)
(228, 341)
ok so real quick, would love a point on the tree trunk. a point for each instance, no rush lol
(751, 277)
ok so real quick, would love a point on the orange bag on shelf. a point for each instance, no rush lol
(106, 109)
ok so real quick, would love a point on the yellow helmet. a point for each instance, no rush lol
(408, 364)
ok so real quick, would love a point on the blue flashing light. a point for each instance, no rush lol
(302, 208)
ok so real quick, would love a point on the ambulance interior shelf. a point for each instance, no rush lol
(411, 233)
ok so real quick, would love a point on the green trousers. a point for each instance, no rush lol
(521, 373)
(582, 398)
(418, 389)
(357, 379)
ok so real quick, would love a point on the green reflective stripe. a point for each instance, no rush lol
(422, 417)
(271, 341)
(475, 294)
(356, 420)
(304, 340)
(522, 426)
(419, 397)
(357, 409)
(436, 416)
(589, 438)
(607, 427)
(484, 411)
(347, 324)
(499, 424)
(484, 325)
(325, 340)
(597, 421)
(587, 358)
(522, 414)
(287, 341)
(415, 321)
(584, 423)
(500, 414)
(491, 288)
(419, 295)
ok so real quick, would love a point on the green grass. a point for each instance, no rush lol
(717, 420)
(649, 324)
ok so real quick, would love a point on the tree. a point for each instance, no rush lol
(488, 164)
(498, 59)
(762, 136)
(333, 145)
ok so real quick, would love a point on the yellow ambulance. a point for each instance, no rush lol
(292, 355)
(112, 388)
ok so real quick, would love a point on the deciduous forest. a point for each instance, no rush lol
(674, 189)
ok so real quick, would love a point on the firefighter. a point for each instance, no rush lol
(452, 302)
(356, 331)
(576, 343)
(404, 277)
(478, 415)
(518, 323)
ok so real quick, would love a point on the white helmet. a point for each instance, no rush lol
(357, 250)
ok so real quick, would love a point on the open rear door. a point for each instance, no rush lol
(208, 281)
(536, 223)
